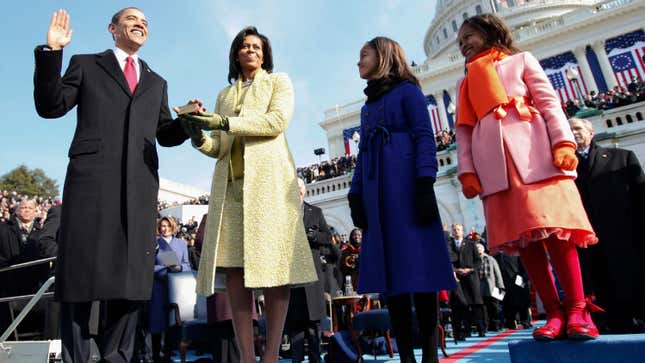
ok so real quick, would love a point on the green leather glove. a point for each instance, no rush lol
(193, 131)
(207, 121)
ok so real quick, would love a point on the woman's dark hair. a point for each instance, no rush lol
(496, 32)
(391, 61)
(234, 67)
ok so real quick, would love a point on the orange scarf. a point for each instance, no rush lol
(481, 90)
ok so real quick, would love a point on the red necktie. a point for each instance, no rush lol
(130, 73)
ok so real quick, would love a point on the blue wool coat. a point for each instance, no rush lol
(397, 145)
(158, 312)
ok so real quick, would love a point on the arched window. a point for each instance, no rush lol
(478, 9)
(639, 116)
(448, 161)
(465, 16)
(440, 162)
(445, 33)
(619, 121)
(629, 119)
(454, 26)
(609, 123)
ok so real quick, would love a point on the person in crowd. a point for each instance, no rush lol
(492, 287)
(517, 297)
(330, 256)
(158, 308)
(392, 198)
(22, 240)
(612, 186)
(517, 153)
(466, 301)
(307, 304)
(122, 111)
(350, 258)
(254, 231)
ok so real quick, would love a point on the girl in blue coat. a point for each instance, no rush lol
(404, 254)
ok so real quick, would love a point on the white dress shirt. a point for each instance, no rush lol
(121, 58)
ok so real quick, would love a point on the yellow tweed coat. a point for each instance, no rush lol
(276, 251)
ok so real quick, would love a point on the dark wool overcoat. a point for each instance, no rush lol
(107, 232)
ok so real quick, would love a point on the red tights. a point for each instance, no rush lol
(564, 258)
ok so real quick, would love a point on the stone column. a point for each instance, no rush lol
(438, 96)
(607, 72)
(585, 70)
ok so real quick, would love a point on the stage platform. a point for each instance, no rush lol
(495, 348)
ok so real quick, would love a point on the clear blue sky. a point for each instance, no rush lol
(315, 41)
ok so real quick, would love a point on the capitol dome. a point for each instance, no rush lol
(441, 37)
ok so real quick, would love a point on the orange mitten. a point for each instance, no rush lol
(564, 156)
(470, 185)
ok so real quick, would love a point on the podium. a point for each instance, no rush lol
(628, 348)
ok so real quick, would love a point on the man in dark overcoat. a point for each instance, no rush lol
(307, 304)
(107, 232)
(611, 183)
(517, 300)
(466, 301)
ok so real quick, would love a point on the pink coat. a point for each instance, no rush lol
(529, 143)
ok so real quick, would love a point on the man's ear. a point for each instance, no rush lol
(112, 29)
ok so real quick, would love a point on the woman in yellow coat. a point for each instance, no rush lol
(254, 230)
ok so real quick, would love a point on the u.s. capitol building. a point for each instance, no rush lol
(583, 45)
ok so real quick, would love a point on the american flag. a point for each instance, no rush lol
(433, 109)
(625, 54)
(556, 68)
(351, 147)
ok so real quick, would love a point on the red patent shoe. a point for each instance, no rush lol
(553, 329)
(584, 329)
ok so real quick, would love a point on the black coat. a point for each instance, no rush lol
(308, 303)
(14, 250)
(107, 233)
(468, 292)
(510, 267)
(611, 183)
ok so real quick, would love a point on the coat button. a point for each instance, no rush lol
(367, 113)
(381, 122)
(147, 252)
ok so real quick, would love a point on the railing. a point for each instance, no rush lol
(340, 111)
(42, 292)
(620, 118)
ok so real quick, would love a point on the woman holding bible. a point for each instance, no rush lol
(254, 231)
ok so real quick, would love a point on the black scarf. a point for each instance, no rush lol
(378, 87)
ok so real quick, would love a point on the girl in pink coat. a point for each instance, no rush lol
(517, 153)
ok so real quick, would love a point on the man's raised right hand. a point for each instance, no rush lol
(59, 34)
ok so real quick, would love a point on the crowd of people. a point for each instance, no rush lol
(9, 200)
(327, 169)
(119, 296)
(202, 200)
(615, 97)
(345, 164)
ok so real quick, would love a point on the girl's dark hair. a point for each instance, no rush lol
(234, 67)
(392, 63)
(496, 32)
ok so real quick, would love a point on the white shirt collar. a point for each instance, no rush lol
(121, 56)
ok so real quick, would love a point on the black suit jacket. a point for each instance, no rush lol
(311, 298)
(611, 183)
(107, 231)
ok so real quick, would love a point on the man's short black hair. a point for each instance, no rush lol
(117, 15)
